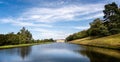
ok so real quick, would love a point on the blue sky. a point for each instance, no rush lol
(49, 18)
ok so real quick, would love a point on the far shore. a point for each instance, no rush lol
(21, 45)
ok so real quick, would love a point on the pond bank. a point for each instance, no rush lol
(112, 41)
(22, 45)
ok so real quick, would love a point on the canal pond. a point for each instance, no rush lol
(59, 52)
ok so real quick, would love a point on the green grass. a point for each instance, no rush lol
(112, 41)
(21, 45)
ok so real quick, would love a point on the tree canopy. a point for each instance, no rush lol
(108, 26)
(22, 37)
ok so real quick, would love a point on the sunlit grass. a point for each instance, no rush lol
(112, 41)
(22, 45)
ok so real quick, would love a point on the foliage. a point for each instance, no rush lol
(45, 40)
(22, 37)
(112, 18)
(78, 35)
(2, 37)
(97, 28)
(108, 26)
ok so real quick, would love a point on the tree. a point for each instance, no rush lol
(25, 36)
(29, 35)
(2, 39)
(78, 35)
(12, 38)
(97, 28)
(110, 10)
(112, 18)
(110, 25)
(69, 38)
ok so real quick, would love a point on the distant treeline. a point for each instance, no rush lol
(22, 37)
(108, 26)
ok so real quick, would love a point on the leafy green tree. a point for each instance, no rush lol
(2, 39)
(112, 18)
(110, 25)
(110, 10)
(25, 36)
(12, 38)
(78, 35)
(69, 38)
(97, 28)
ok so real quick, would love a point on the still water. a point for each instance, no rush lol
(59, 52)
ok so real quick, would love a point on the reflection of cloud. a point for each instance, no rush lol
(57, 52)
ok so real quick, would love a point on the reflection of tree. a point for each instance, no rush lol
(25, 51)
(97, 56)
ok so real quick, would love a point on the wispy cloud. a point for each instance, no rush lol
(46, 33)
(93, 16)
(40, 17)
(66, 13)
(22, 23)
(81, 27)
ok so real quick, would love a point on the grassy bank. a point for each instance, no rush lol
(22, 45)
(112, 41)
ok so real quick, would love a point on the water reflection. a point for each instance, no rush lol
(24, 51)
(14, 54)
(100, 54)
(59, 52)
(110, 52)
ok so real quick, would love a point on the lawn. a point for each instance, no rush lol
(112, 41)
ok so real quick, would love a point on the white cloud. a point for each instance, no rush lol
(91, 17)
(44, 17)
(21, 23)
(50, 15)
(81, 27)
(66, 13)
(45, 33)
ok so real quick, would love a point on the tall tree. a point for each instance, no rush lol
(24, 35)
(97, 28)
(2, 39)
(110, 10)
(112, 18)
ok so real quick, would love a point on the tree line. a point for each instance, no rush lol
(22, 37)
(108, 26)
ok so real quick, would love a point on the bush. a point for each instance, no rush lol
(115, 31)
(78, 35)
